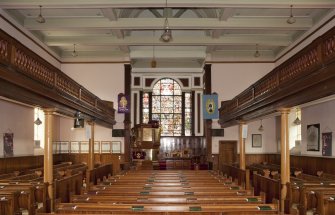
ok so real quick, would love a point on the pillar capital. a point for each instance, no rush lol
(284, 110)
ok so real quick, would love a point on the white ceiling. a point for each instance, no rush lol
(212, 30)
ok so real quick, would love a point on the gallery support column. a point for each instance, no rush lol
(285, 156)
(48, 155)
(242, 146)
(90, 162)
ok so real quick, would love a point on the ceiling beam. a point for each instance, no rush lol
(10, 4)
(111, 14)
(266, 40)
(226, 13)
(155, 13)
(175, 23)
(179, 13)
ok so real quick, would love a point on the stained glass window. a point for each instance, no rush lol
(167, 107)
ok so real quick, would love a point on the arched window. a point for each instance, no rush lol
(170, 106)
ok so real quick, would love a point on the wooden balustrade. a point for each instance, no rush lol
(32, 70)
(288, 79)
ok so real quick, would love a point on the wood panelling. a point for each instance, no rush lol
(196, 81)
(309, 164)
(22, 163)
(290, 84)
(184, 81)
(137, 81)
(148, 81)
(115, 159)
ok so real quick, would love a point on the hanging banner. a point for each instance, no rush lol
(327, 144)
(210, 106)
(8, 144)
(123, 103)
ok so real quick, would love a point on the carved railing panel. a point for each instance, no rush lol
(266, 85)
(30, 66)
(88, 97)
(245, 97)
(68, 86)
(26, 62)
(328, 47)
(302, 65)
(4, 51)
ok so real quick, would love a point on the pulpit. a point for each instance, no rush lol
(145, 145)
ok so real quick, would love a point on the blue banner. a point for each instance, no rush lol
(210, 106)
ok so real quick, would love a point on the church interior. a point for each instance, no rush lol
(167, 107)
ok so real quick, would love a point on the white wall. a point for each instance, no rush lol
(17, 119)
(104, 80)
(229, 80)
(322, 114)
(269, 144)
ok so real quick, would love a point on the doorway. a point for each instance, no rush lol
(227, 152)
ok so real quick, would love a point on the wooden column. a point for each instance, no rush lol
(242, 146)
(48, 157)
(91, 147)
(285, 156)
(90, 162)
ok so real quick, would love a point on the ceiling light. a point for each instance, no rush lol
(257, 53)
(167, 35)
(40, 18)
(261, 128)
(291, 19)
(74, 53)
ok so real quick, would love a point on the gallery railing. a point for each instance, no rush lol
(306, 63)
(18, 58)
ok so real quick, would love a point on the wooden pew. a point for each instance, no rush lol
(242, 176)
(326, 202)
(69, 208)
(67, 186)
(9, 202)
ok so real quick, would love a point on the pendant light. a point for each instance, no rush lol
(38, 121)
(291, 19)
(74, 52)
(261, 128)
(297, 121)
(40, 18)
(257, 53)
(167, 35)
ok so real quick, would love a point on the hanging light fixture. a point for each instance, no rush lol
(38, 121)
(297, 121)
(40, 18)
(74, 53)
(291, 19)
(167, 35)
(257, 53)
(261, 128)
(78, 120)
(153, 60)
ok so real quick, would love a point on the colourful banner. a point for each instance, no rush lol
(210, 106)
(123, 103)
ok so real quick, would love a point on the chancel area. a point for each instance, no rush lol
(167, 107)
